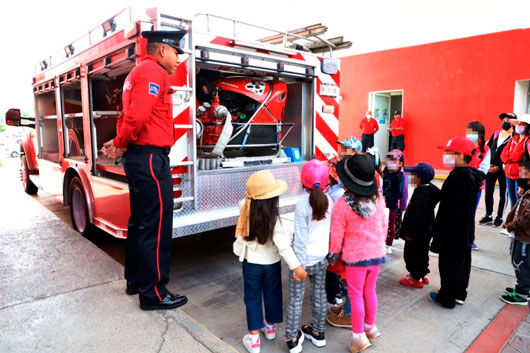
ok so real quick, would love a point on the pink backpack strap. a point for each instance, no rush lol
(496, 134)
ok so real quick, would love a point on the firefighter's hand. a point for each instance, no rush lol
(109, 150)
(520, 192)
(493, 169)
(299, 274)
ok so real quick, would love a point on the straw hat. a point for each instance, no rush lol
(263, 185)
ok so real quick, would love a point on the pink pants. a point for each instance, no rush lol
(361, 290)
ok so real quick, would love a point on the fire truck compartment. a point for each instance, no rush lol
(214, 212)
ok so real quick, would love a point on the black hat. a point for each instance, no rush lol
(171, 38)
(508, 115)
(357, 174)
(397, 112)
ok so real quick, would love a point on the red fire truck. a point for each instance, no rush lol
(239, 106)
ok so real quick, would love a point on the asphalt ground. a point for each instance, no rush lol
(60, 291)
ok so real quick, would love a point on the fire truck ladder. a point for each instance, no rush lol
(183, 99)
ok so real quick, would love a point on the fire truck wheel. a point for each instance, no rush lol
(28, 185)
(78, 207)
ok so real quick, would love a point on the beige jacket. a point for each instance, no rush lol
(269, 253)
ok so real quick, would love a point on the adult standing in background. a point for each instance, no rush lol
(369, 127)
(397, 130)
(497, 142)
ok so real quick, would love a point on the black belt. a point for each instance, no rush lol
(148, 149)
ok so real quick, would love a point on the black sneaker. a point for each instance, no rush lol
(316, 337)
(131, 288)
(514, 299)
(295, 345)
(510, 290)
(497, 222)
(485, 220)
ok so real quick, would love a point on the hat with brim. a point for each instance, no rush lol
(263, 185)
(511, 116)
(357, 174)
(525, 118)
(171, 38)
(459, 145)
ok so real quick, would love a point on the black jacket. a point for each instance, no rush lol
(495, 150)
(419, 217)
(454, 226)
(392, 188)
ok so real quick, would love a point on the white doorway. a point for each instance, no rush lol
(383, 104)
(521, 104)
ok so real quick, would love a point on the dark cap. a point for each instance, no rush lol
(397, 112)
(171, 38)
(508, 115)
(423, 171)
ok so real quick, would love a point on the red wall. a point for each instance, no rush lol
(446, 85)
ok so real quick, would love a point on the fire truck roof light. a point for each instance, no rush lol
(108, 26)
(130, 30)
(43, 65)
(69, 50)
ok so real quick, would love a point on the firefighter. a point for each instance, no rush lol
(144, 138)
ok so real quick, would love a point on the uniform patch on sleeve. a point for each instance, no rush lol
(153, 88)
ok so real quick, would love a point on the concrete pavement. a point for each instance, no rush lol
(60, 292)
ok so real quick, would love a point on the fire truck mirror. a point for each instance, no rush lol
(13, 117)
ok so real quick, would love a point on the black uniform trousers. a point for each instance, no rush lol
(398, 143)
(491, 178)
(416, 256)
(455, 267)
(367, 140)
(149, 233)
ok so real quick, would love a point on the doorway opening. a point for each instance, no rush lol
(521, 104)
(383, 104)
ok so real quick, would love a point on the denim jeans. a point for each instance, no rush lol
(262, 281)
(511, 186)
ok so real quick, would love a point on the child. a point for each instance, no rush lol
(476, 132)
(393, 185)
(260, 241)
(311, 244)
(334, 287)
(454, 227)
(403, 202)
(358, 231)
(518, 223)
(417, 225)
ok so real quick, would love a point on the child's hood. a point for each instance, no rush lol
(431, 192)
(475, 176)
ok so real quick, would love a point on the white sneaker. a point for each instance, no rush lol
(251, 346)
(269, 331)
(504, 231)
(388, 250)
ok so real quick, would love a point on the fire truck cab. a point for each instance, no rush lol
(239, 106)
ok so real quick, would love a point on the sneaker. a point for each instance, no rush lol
(497, 222)
(474, 247)
(459, 301)
(269, 331)
(372, 333)
(388, 250)
(316, 337)
(425, 280)
(295, 345)
(510, 290)
(505, 231)
(514, 299)
(339, 320)
(336, 309)
(359, 344)
(251, 345)
(486, 220)
(411, 282)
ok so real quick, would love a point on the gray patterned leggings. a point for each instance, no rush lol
(319, 305)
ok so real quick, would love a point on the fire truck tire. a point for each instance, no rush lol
(29, 187)
(78, 207)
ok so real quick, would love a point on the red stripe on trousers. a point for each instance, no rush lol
(159, 224)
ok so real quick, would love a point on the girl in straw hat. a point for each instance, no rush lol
(260, 241)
